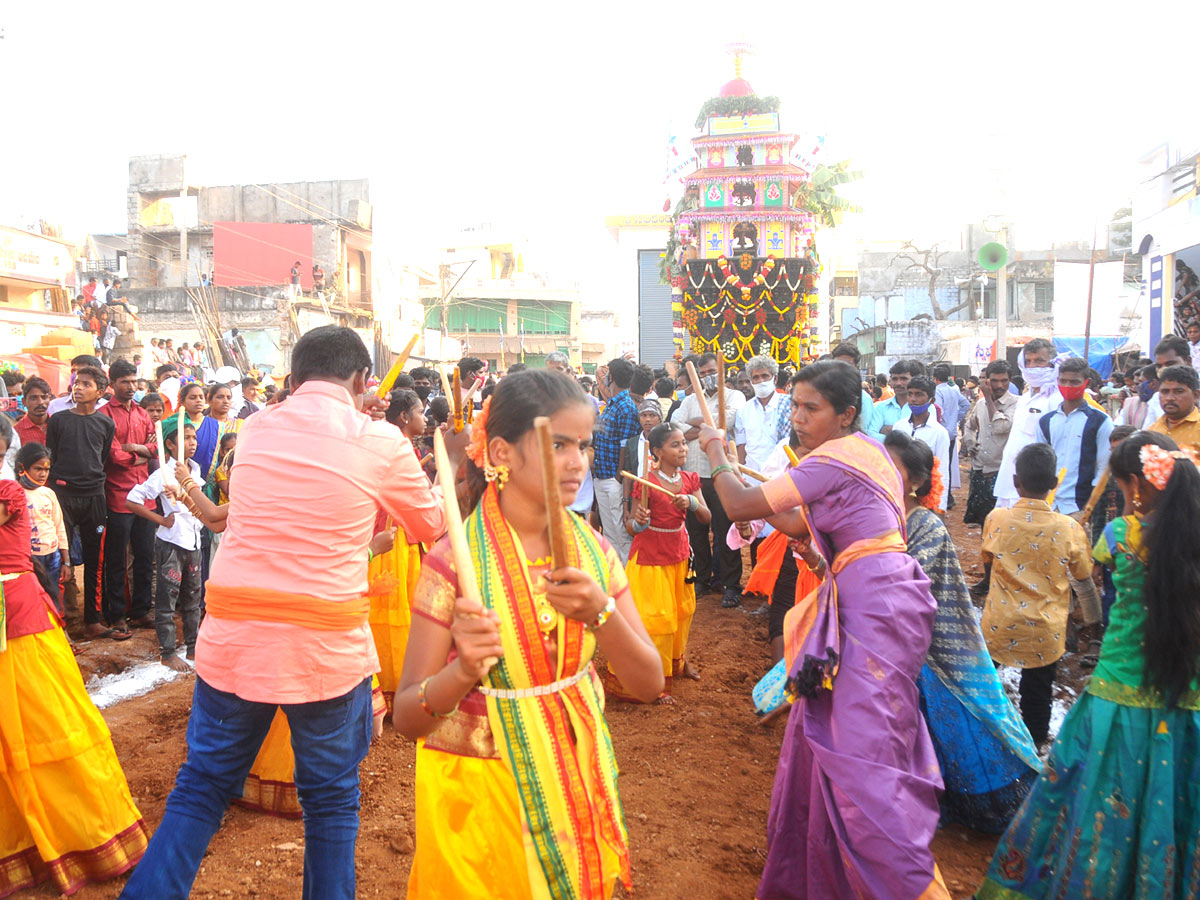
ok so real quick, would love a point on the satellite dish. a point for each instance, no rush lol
(993, 256)
(1145, 245)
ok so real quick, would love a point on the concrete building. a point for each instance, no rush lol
(233, 247)
(499, 310)
(938, 304)
(1166, 226)
(37, 275)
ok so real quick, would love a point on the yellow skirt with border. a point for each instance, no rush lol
(666, 604)
(470, 834)
(391, 578)
(65, 808)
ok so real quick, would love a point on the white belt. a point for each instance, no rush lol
(666, 530)
(538, 690)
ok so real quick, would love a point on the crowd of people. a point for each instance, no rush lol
(300, 554)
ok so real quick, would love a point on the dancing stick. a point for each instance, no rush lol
(791, 455)
(721, 392)
(425, 460)
(757, 476)
(456, 385)
(468, 587)
(446, 390)
(555, 512)
(397, 367)
(649, 484)
(162, 448)
(645, 470)
(705, 413)
(1097, 493)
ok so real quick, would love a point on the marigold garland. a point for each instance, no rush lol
(477, 449)
(932, 499)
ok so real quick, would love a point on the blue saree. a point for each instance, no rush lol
(987, 757)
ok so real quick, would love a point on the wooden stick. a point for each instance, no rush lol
(555, 512)
(1097, 493)
(446, 387)
(791, 455)
(468, 587)
(721, 392)
(757, 476)
(456, 385)
(705, 413)
(398, 366)
(645, 469)
(425, 460)
(649, 484)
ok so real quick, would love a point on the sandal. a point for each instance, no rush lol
(106, 632)
(1092, 657)
(120, 634)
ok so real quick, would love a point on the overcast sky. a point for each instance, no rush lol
(547, 117)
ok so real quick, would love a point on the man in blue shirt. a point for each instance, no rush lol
(895, 408)
(869, 421)
(617, 424)
(1079, 434)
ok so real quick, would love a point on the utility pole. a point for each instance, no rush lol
(1002, 302)
(183, 224)
(1087, 324)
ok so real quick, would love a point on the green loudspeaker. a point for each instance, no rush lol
(993, 256)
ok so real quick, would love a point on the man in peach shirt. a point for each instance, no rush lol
(287, 616)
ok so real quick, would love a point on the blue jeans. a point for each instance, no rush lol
(330, 739)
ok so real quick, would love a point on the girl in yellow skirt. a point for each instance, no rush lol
(516, 788)
(659, 556)
(65, 809)
(392, 575)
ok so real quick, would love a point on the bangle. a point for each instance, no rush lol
(704, 446)
(639, 527)
(370, 555)
(610, 607)
(723, 467)
(425, 703)
(693, 503)
(818, 567)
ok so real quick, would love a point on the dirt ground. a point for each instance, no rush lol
(695, 779)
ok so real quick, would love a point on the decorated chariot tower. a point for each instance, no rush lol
(742, 257)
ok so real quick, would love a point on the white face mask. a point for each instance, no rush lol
(764, 389)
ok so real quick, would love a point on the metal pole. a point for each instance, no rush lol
(1087, 324)
(1002, 302)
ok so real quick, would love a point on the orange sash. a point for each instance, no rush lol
(245, 604)
(801, 618)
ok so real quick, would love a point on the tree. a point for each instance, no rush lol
(927, 261)
(818, 195)
(1120, 232)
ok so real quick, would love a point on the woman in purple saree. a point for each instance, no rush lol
(855, 802)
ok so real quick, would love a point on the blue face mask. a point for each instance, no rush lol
(1145, 391)
(138, 395)
(918, 409)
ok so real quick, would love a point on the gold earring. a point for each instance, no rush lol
(497, 474)
(1137, 498)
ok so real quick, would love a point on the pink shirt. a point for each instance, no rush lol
(307, 479)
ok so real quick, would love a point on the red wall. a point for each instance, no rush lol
(261, 253)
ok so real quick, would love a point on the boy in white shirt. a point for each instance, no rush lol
(176, 548)
(921, 424)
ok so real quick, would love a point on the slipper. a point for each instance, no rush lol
(107, 632)
(120, 634)
(1092, 657)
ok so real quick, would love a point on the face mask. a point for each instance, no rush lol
(709, 383)
(1072, 393)
(138, 395)
(1145, 392)
(422, 391)
(764, 389)
(680, 393)
(28, 483)
(918, 409)
(1038, 378)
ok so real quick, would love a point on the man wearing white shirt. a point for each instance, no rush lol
(755, 429)
(717, 566)
(1193, 336)
(1041, 396)
(922, 425)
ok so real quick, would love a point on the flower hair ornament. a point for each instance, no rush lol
(1158, 464)
(931, 499)
(477, 450)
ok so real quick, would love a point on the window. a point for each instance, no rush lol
(1012, 308)
(1043, 297)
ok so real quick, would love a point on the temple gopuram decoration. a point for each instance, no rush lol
(742, 256)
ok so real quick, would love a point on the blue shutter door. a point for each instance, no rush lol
(655, 336)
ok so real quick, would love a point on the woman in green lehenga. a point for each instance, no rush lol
(1116, 812)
